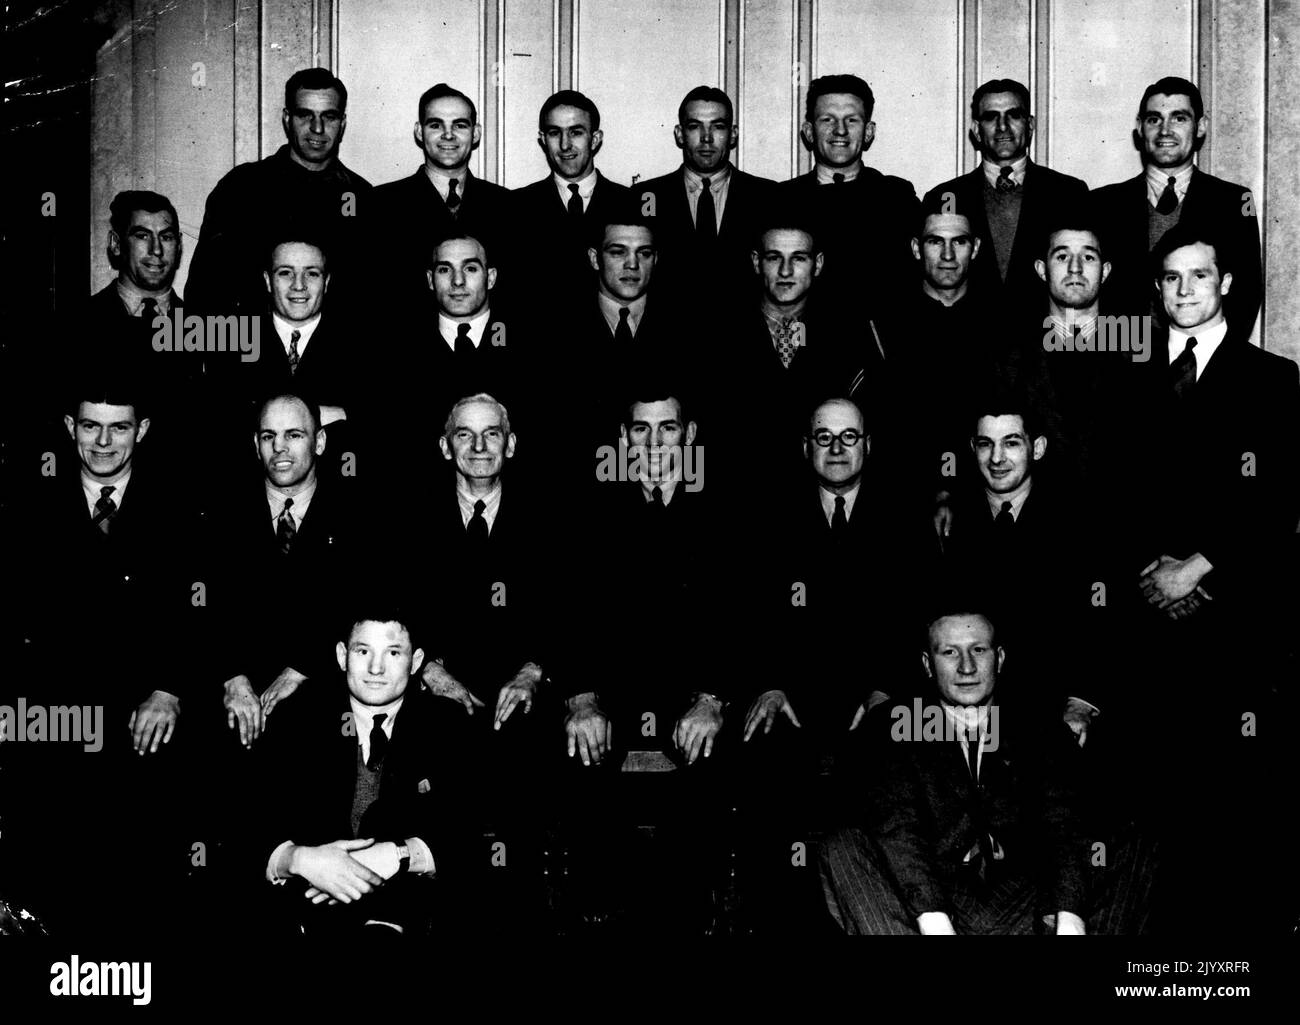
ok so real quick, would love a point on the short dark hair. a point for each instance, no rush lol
(457, 233)
(656, 388)
(376, 609)
(1007, 402)
(707, 94)
(1171, 85)
(1183, 234)
(999, 85)
(314, 78)
(568, 98)
(442, 91)
(958, 599)
(1079, 222)
(305, 238)
(621, 213)
(934, 205)
(785, 220)
(108, 388)
(126, 203)
(313, 407)
(851, 84)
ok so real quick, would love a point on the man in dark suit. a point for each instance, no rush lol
(1008, 199)
(571, 203)
(363, 827)
(290, 532)
(1214, 511)
(971, 823)
(841, 194)
(406, 217)
(104, 530)
(1171, 190)
(303, 185)
(716, 247)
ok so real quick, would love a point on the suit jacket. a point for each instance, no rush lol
(281, 610)
(407, 217)
(865, 229)
(1219, 206)
(1046, 194)
(258, 203)
(683, 262)
(567, 271)
(312, 756)
(923, 810)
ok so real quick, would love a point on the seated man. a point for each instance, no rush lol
(363, 826)
(971, 822)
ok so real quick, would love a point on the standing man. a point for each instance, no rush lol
(303, 183)
(841, 196)
(570, 203)
(715, 246)
(1171, 190)
(406, 217)
(1008, 199)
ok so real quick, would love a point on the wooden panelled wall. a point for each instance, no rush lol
(187, 88)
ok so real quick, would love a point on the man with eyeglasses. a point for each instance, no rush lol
(303, 186)
(1008, 198)
(837, 571)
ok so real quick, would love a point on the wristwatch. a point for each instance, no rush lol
(403, 857)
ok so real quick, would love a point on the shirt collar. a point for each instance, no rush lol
(667, 488)
(609, 309)
(993, 172)
(276, 498)
(363, 717)
(828, 499)
(132, 298)
(477, 325)
(441, 180)
(965, 717)
(95, 489)
(285, 328)
(586, 186)
(1017, 500)
(490, 501)
(1208, 341)
(826, 175)
(695, 180)
(1158, 178)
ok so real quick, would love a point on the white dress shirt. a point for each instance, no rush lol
(477, 325)
(275, 499)
(609, 310)
(828, 501)
(285, 329)
(585, 188)
(993, 172)
(491, 503)
(442, 181)
(719, 184)
(1158, 178)
(133, 299)
(1016, 498)
(826, 175)
(94, 491)
(1208, 341)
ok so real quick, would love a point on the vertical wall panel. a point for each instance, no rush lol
(637, 60)
(767, 114)
(288, 44)
(529, 73)
(909, 55)
(1103, 54)
(1003, 46)
(1281, 226)
(390, 51)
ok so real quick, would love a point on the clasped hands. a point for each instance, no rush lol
(345, 870)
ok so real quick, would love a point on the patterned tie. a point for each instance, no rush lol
(837, 178)
(453, 197)
(839, 520)
(285, 529)
(706, 215)
(623, 333)
(575, 203)
(1005, 182)
(149, 310)
(1168, 202)
(104, 509)
(477, 528)
(1182, 372)
(293, 352)
(464, 346)
(786, 344)
(378, 743)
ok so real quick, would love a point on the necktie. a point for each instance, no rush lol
(837, 178)
(973, 753)
(1005, 523)
(657, 498)
(464, 347)
(285, 529)
(840, 520)
(785, 342)
(104, 509)
(1182, 372)
(477, 528)
(453, 197)
(575, 203)
(706, 215)
(293, 352)
(149, 310)
(378, 743)
(623, 333)
(1168, 199)
(1005, 184)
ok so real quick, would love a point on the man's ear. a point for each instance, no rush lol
(341, 655)
(975, 248)
(476, 136)
(866, 446)
(691, 430)
(677, 135)
(925, 664)
(284, 122)
(141, 429)
(266, 280)
(1040, 268)
(753, 258)
(320, 441)
(916, 249)
(622, 433)
(733, 139)
(973, 134)
(1225, 284)
(326, 287)
(806, 134)
(868, 135)
(446, 449)
(1040, 446)
(1105, 271)
(1202, 128)
(819, 261)
(71, 426)
(594, 258)
(807, 448)
(418, 136)
(597, 140)
(510, 446)
(417, 660)
(114, 244)
(1002, 656)
(491, 278)
(428, 276)
(1029, 132)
